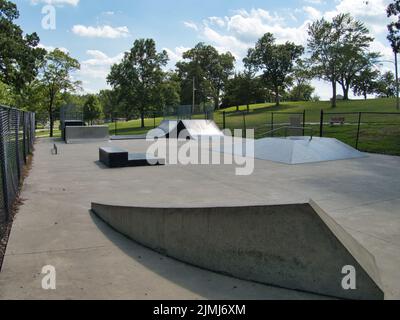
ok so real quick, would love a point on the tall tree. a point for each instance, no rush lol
(386, 85)
(275, 61)
(208, 69)
(138, 76)
(330, 41)
(366, 82)
(393, 10)
(55, 79)
(244, 88)
(19, 54)
(92, 109)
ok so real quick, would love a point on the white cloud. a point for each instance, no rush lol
(314, 1)
(220, 22)
(94, 70)
(52, 48)
(101, 31)
(312, 13)
(56, 2)
(176, 54)
(371, 12)
(191, 25)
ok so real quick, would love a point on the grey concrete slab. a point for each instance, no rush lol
(54, 222)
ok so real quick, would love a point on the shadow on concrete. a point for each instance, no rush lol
(207, 284)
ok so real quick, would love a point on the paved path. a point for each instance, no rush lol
(54, 225)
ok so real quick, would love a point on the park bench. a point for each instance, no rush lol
(115, 157)
(337, 120)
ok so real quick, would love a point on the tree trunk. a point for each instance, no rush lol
(248, 108)
(345, 89)
(237, 108)
(365, 95)
(216, 103)
(334, 93)
(277, 100)
(51, 117)
(142, 119)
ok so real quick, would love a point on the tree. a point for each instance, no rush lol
(331, 43)
(55, 78)
(244, 88)
(301, 92)
(109, 103)
(302, 89)
(393, 10)
(209, 71)
(351, 65)
(276, 62)
(366, 82)
(92, 109)
(138, 77)
(386, 85)
(19, 54)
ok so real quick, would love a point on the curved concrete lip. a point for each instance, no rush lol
(296, 246)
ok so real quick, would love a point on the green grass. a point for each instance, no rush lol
(379, 133)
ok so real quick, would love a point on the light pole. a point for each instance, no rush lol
(194, 94)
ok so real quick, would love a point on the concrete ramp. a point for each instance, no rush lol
(296, 150)
(295, 246)
(82, 134)
(201, 128)
(185, 129)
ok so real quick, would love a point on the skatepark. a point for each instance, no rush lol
(200, 231)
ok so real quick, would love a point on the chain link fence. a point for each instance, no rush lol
(17, 135)
(375, 132)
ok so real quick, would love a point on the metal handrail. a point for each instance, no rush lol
(290, 127)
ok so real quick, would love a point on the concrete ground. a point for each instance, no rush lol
(54, 225)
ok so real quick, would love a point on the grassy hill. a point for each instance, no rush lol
(378, 133)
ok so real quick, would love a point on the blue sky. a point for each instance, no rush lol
(97, 32)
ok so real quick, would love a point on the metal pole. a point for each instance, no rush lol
(24, 135)
(272, 124)
(304, 122)
(397, 82)
(224, 119)
(194, 93)
(358, 130)
(321, 125)
(244, 124)
(17, 158)
(3, 168)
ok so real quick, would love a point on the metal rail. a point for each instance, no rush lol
(296, 128)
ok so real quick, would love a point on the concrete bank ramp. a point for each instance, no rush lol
(294, 150)
(296, 246)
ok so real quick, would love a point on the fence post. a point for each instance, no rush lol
(304, 122)
(17, 145)
(358, 130)
(244, 124)
(224, 120)
(3, 165)
(321, 126)
(272, 124)
(24, 135)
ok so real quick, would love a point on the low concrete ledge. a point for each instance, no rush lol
(86, 134)
(291, 246)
